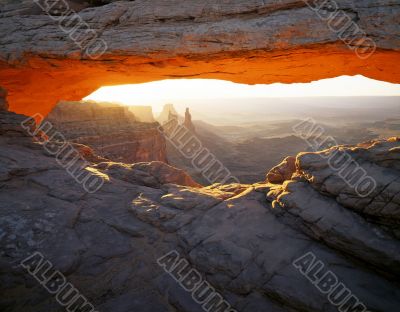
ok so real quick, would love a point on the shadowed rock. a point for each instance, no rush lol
(3, 99)
(242, 238)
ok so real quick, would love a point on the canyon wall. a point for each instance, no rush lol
(111, 130)
(242, 41)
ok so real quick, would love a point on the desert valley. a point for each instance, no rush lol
(249, 141)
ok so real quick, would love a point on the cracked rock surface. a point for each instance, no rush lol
(242, 238)
(141, 27)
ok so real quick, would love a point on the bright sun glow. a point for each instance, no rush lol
(158, 93)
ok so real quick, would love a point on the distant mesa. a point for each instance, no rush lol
(167, 113)
(142, 113)
(172, 116)
(72, 111)
(113, 131)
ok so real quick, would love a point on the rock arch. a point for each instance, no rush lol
(242, 41)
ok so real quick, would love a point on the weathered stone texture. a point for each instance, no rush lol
(243, 41)
(113, 131)
(242, 238)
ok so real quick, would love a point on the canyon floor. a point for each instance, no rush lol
(242, 238)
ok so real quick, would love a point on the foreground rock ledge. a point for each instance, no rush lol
(242, 41)
(242, 238)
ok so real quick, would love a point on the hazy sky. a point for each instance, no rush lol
(158, 93)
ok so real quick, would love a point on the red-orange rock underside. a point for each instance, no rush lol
(37, 85)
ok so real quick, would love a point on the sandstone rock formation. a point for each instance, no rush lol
(363, 178)
(10, 126)
(188, 121)
(107, 243)
(243, 41)
(283, 171)
(152, 174)
(142, 113)
(168, 112)
(111, 130)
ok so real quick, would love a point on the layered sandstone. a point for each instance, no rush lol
(110, 129)
(364, 178)
(242, 41)
(242, 238)
(283, 171)
(142, 113)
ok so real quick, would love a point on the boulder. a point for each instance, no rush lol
(283, 171)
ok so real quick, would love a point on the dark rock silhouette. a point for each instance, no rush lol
(188, 121)
(3, 99)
